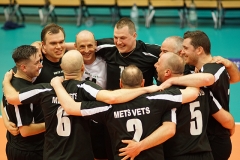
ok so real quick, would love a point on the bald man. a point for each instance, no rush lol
(190, 140)
(135, 119)
(95, 67)
(172, 44)
(68, 137)
(95, 71)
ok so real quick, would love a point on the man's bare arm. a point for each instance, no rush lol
(190, 80)
(124, 95)
(225, 119)
(110, 97)
(10, 126)
(70, 45)
(160, 135)
(189, 94)
(32, 129)
(10, 93)
(70, 106)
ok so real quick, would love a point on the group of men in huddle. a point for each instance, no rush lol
(102, 103)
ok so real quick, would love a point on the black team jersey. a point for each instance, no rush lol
(188, 69)
(66, 137)
(135, 119)
(219, 137)
(220, 90)
(24, 115)
(49, 70)
(144, 56)
(191, 131)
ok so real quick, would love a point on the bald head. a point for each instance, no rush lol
(132, 77)
(36, 44)
(85, 34)
(86, 45)
(169, 65)
(172, 44)
(72, 63)
(173, 62)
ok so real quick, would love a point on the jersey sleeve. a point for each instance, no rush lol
(170, 116)
(94, 110)
(167, 99)
(215, 106)
(105, 41)
(102, 45)
(217, 70)
(33, 93)
(221, 85)
(89, 90)
(154, 49)
(21, 115)
(4, 101)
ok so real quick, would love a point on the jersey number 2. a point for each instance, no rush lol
(135, 125)
(64, 124)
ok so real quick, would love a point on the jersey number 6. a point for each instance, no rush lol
(64, 125)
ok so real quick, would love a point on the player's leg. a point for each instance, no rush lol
(221, 147)
(98, 141)
(16, 154)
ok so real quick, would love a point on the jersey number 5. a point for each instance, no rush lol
(135, 124)
(196, 123)
(64, 125)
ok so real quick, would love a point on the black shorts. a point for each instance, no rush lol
(16, 154)
(221, 146)
(108, 145)
(98, 140)
(194, 156)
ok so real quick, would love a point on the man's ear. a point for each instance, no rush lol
(200, 50)
(143, 82)
(180, 53)
(168, 73)
(95, 46)
(120, 84)
(23, 67)
(135, 34)
(43, 48)
(82, 68)
(75, 46)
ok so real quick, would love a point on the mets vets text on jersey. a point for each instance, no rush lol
(55, 99)
(130, 112)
